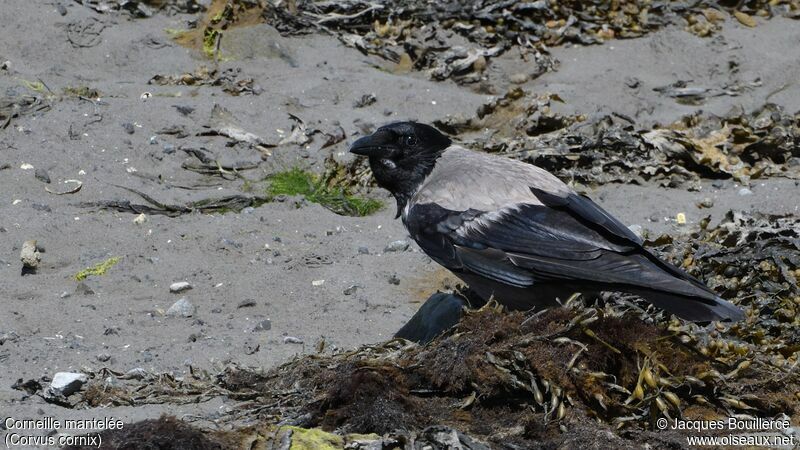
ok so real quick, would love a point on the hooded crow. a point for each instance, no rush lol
(515, 232)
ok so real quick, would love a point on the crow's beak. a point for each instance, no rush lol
(378, 143)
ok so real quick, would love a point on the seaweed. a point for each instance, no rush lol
(336, 198)
(98, 269)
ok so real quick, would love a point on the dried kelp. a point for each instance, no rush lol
(224, 204)
(143, 8)
(230, 80)
(16, 106)
(610, 148)
(454, 38)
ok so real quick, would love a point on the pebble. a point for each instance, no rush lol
(181, 308)
(140, 219)
(706, 203)
(249, 210)
(393, 279)
(363, 250)
(350, 290)
(519, 78)
(136, 373)
(128, 127)
(168, 148)
(264, 325)
(719, 184)
(292, 340)
(103, 357)
(251, 347)
(744, 192)
(318, 282)
(179, 286)
(42, 175)
(66, 383)
(64, 294)
(153, 140)
(397, 246)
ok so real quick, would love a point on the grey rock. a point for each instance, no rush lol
(103, 357)
(251, 346)
(168, 148)
(64, 294)
(264, 325)
(744, 192)
(182, 308)
(128, 127)
(397, 246)
(706, 203)
(292, 340)
(136, 373)
(153, 140)
(42, 175)
(393, 279)
(30, 255)
(363, 251)
(718, 184)
(179, 286)
(351, 289)
(519, 78)
(83, 289)
(66, 383)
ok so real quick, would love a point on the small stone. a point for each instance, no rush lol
(718, 184)
(181, 308)
(153, 140)
(264, 325)
(249, 210)
(64, 294)
(397, 246)
(42, 175)
(318, 282)
(128, 127)
(706, 203)
(745, 192)
(26, 166)
(251, 347)
(351, 289)
(168, 148)
(83, 289)
(136, 373)
(30, 255)
(179, 286)
(681, 218)
(519, 78)
(66, 383)
(292, 340)
(248, 303)
(393, 279)
(103, 357)
(140, 219)
(363, 251)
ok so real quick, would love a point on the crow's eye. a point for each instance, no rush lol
(411, 140)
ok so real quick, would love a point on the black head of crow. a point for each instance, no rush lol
(401, 155)
(515, 232)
